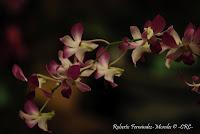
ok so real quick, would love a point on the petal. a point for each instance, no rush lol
(33, 81)
(64, 61)
(168, 40)
(172, 55)
(31, 123)
(42, 124)
(158, 24)
(195, 78)
(52, 67)
(26, 116)
(31, 108)
(100, 71)
(68, 41)
(82, 86)
(138, 52)
(103, 57)
(175, 35)
(69, 51)
(196, 38)
(87, 72)
(18, 73)
(77, 31)
(66, 92)
(80, 54)
(73, 71)
(195, 48)
(189, 32)
(113, 71)
(188, 58)
(88, 46)
(135, 32)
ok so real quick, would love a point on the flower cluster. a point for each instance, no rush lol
(74, 68)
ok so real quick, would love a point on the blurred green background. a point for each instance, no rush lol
(29, 36)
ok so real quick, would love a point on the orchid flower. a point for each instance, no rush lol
(33, 81)
(75, 45)
(73, 81)
(188, 49)
(33, 116)
(103, 68)
(195, 86)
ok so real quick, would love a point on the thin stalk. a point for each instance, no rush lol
(116, 60)
(47, 101)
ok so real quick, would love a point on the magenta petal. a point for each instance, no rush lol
(33, 81)
(82, 86)
(52, 67)
(73, 71)
(103, 56)
(168, 40)
(195, 78)
(189, 32)
(197, 35)
(30, 107)
(158, 24)
(66, 92)
(188, 58)
(77, 31)
(18, 73)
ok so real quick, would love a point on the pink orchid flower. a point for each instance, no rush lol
(73, 81)
(195, 84)
(103, 68)
(75, 45)
(188, 48)
(33, 116)
(33, 81)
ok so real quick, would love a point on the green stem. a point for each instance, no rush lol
(115, 43)
(116, 60)
(44, 105)
(47, 101)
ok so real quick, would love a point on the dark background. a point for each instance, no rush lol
(29, 36)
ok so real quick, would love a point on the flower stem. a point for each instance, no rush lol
(115, 43)
(98, 40)
(47, 101)
(116, 60)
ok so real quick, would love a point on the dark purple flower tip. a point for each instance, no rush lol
(158, 24)
(195, 78)
(52, 67)
(66, 92)
(33, 82)
(168, 40)
(73, 71)
(18, 73)
(188, 58)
